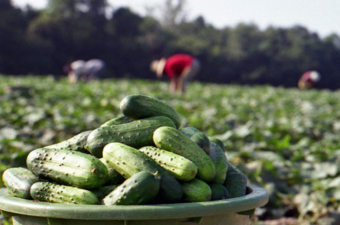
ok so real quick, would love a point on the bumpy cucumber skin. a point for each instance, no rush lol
(141, 106)
(76, 143)
(173, 140)
(18, 181)
(218, 142)
(198, 137)
(67, 167)
(128, 161)
(218, 192)
(113, 176)
(236, 182)
(221, 163)
(136, 134)
(139, 189)
(196, 190)
(56, 193)
(117, 121)
(179, 167)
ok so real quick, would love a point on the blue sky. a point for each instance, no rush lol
(321, 16)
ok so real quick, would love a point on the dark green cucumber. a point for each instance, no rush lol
(221, 163)
(18, 181)
(128, 161)
(196, 190)
(136, 134)
(67, 167)
(218, 192)
(198, 137)
(236, 182)
(103, 191)
(218, 142)
(140, 188)
(141, 106)
(56, 193)
(170, 139)
(117, 121)
(179, 167)
(75, 143)
(113, 176)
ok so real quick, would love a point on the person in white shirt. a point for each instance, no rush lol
(93, 68)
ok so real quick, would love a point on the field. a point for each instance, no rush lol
(285, 140)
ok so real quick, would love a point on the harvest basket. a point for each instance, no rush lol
(234, 211)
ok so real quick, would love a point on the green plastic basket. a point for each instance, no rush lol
(228, 211)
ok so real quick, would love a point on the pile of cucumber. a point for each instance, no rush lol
(142, 157)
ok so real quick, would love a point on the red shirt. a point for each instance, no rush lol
(307, 79)
(175, 64)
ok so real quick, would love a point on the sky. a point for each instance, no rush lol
(320, 16)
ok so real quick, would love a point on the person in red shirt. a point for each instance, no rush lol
(309, 79)
(180, 69)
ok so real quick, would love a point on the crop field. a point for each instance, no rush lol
(285, 140)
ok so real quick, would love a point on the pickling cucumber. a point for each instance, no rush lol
(56, 193)
(179, 167)
(136, 134)
(128, 161)
(67, 167)
(141, 106)
(140, 188)
(18, 181)
(171, 139)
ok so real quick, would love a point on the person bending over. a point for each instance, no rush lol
(180, 69)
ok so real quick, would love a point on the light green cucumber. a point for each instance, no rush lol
(179, 167)
(236, 182)
(198, 137)
(171, 139)
(196, 190)
(56, 193)
(141, 188)
(136, 134)
(18, 181)
(128, 161)
(141, 106)
(220, 161)
(67, 167)
(76, 143)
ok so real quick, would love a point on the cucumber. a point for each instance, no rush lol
(196, 190)
(141, 106)
(128, 161)
(113, 176)
(221, 163)
(56, 193)
(117, 121)
(18, 181)
(218, 192)
(140, 188)
(135, 134)
(178, 166)
(218, 142)
(67, 167)
(236, 182)
(75, 143)
(170, 139)
(198, 137)
(103, 191)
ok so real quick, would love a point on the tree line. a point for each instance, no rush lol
(41, 42)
